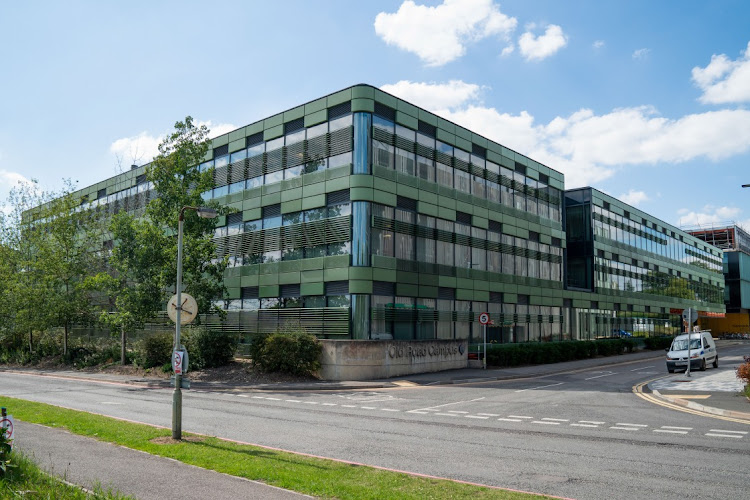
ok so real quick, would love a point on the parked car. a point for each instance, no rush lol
(621, 333)
(702, 351)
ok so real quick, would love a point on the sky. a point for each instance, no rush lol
(646, 101)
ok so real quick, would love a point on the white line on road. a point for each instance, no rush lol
(274, 399)
(311, 402)
(642, 368)
(724, 435)
(510, 420)
(292, 400)
(625, 428)
(109, 403)
(677, 428)
(519, 416)
(476, 416)
(259, 397)
(419, 412)
(670, 432)
(540, 387)
(584, 425)
(389, 409)
(456, 411)
(368, 407)
(348, 406)
(632, 425)
(556, 419)
(600, 376)
(729, 432)
(591, 422)
(446, 414)
(488, 414)
(329, 404)
(434, 408)
(544, 422)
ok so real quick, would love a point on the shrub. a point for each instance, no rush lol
(155, 350)
(538, 353)
(209, 348)
(657, 343)
(743, 373)
(290, 349)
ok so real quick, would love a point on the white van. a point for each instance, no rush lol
(702, 352)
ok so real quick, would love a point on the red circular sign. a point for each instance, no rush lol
(484, 318)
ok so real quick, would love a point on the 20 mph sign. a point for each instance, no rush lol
(484, 318)
(6, 427)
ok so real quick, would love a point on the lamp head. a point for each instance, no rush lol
(207, 213)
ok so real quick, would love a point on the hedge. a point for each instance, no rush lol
(539, 353)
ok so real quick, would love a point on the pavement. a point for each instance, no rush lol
(116, 467)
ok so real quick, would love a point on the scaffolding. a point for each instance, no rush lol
(728, 236)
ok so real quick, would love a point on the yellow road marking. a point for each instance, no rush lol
(638, 391)
(689, 396)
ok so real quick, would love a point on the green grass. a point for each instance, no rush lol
(26, 480)
(309, 475)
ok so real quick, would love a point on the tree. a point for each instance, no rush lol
(142, 265)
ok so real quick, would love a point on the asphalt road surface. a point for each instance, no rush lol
(582, 435)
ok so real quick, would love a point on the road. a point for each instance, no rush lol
(580, 435)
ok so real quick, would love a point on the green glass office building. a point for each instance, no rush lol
(365, 217)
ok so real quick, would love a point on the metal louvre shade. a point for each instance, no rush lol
(221, 175)
(381, 135)
(275, 160)
(237, 171)
(254, 166)
(341, 141)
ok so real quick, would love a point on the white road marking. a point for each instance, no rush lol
(544, 422)
(556, 419)
(729, 432)
(591, 422)
(259, 397)
(389, 409)
(476, 416)
(368, 407)
(677, 428)
(242, 395)
(600, 376)
(632, 425)
(724, 435)
(670, 432)
(329, 404)
(642, 368)
(293, 401)
(348, 406)
(456, 411)
(434, 408)
(446, 414)
(419, 412)
(109, 403)
(584, 425)
(510, 420)
(274, 399)
(519, 416)
(311, 402)
(625, 428)
(540, 387)
(488, 414)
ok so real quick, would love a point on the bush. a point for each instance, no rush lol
(539, 353)
(657, 343)
(209, 348)
(289, 349)
(155, 350)
(743, 373)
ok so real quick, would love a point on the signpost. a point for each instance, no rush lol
(690, 316)
(484, 319)
(6, 426)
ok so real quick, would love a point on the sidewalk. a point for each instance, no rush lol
(87, 462)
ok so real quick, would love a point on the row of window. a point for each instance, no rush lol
(427, 250)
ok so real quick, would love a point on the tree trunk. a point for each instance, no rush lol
(65, 339)
(31, 341)
(123, 341)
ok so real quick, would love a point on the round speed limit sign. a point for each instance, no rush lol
(484, 318)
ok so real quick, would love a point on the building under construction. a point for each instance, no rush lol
(736, 245)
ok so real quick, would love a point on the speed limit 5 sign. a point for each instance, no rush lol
(484, 318)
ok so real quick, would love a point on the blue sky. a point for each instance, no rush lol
(647, 101)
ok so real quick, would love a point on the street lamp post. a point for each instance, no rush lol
(206, 213)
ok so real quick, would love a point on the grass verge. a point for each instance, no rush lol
(26, 480)
(309, 475)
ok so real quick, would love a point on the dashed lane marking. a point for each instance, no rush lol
(389, 409)
(625, 428)
(676, 428)
(446, 414)
(456, 411)
(510, 420)
(556, 419)
(595, 422)
(585, 425)
(476, 416)
(729, 432)
(600, 376)
(368, 407)
(632, 425)
(669, 431)
(520, 416)
(540, 387)
(329, 404)
(488, 414)
(714, 434)
(292, 401)
(544, 422)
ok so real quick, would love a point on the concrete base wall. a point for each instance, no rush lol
(377, 359)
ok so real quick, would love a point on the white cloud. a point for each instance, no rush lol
(641, 53)
(507, 50)
(598, 44)
(540, 47)
(142, 148)
(723, 80)
(588, 148)
(708, 216)
(633, 197)
(440, 34)
(435, 96)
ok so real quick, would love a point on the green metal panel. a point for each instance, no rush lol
(232, 293)
(316, 201)
(289, 278)
(406, 120)
(269, 279)
(336, 274)
(220, 141)
(407, 191)
(385, 185)
(360, 273)
(429, 292)
(235, 207)
(481, 285)
(428, 197)
(481, 212)
(254, 128)
(294, 113)
(479, 140)
(271, 199)
(481, 296)
(288, 207)
(447, 281)
(357, 286)
(237, 145)
(464, 283)
(237, 135)
(386, 275)
(407, 277)
(464, 207)
(427, 209)
(428, 117)
(316, 117)
(315, 106)
(337, 184)
(252, 204)
(268, 291)
(312, 289)
(447, 126)
(313, 189)
(363, 105)
(407, 108)
(429, 279)
(311, 276)
(445, 136)
(291, 194)
(361, 194)
(463, 294)
(363, 181)
(386, 99)
(232, 282)
(249, 280)
(446, 213)
(335, 261)
(384, 198)
(363, 92)
(273, 121)
(335, 173)
(273, 132)
(339, 97)
(510, 298)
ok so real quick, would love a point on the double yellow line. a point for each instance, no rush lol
(638, 391)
